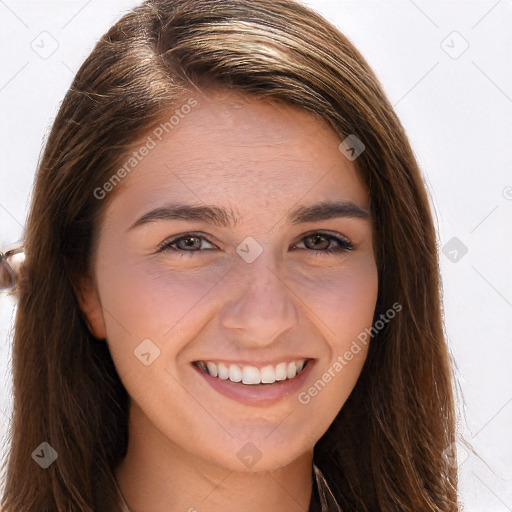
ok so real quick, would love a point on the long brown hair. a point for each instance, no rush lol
(384, 451)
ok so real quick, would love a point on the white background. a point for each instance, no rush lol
(456, 107)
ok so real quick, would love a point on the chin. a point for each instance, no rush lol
(248, 456)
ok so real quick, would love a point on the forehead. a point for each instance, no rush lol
(233, 147)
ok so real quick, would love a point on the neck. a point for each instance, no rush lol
(157, 475)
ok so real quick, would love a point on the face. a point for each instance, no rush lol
(260, 284)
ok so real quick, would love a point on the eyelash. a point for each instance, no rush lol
(344, 245)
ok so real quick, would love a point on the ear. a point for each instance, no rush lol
(90, 304)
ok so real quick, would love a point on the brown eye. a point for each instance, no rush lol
(190, 242)
(320, 243)
(184, 243)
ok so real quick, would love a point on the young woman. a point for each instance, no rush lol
(230, 298)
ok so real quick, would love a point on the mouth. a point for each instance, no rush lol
(264, 386)
(252, 375)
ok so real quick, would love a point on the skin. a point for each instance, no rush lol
(262, 160)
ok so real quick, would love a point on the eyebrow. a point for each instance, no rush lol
(222, 217)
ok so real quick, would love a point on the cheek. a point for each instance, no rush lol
(344, 308)
(342, 301)
(145, 299)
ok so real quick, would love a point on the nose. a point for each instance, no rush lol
(262, 306)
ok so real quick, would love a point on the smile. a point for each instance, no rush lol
(252, 375)
(263, 386)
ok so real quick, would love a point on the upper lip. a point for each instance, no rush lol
(257, 364)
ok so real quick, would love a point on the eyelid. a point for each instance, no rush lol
(347, 245)
(344, 243)
(334, 234)
(189, 234)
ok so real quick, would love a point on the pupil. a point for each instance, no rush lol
(317, 237)
(189, 242)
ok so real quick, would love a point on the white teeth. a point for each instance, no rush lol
(235, 374)
(223, 371)
(212, 368)
(281, 371)
(252, 375)
(291, 370)
(268, 375)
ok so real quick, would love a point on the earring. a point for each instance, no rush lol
(10, 263)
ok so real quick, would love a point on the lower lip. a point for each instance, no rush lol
(257, 394)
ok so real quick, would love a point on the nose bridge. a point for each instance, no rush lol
(261, 303)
